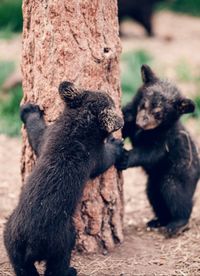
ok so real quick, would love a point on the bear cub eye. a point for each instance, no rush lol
(157, 112)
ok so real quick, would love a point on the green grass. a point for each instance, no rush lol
(196, 113)
(130, 72)
(6, 33)
(9, 103)
(6, 68)
(184, 72)
(191, 7)
(11, 16)
(10, 123)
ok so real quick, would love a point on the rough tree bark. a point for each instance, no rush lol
(75, 40)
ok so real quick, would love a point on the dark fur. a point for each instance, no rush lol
(70, 152)
(166, 152)
(141, 11)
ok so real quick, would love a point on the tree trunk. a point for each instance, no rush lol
(75, 40)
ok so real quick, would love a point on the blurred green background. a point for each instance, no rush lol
(11, 27)
(10, 17)
(191, 7)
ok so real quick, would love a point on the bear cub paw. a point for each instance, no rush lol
(27, 109)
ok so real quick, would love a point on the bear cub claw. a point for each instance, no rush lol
(154, 223)
(26, 109)
(71, 271)
(118, 145)
(122, 163)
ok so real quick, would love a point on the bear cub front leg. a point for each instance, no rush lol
(109, 156)
(32, 117)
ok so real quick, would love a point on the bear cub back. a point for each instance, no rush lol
(76, 147)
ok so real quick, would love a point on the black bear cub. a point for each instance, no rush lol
(77, 147)
(141, 11)
(165, 150)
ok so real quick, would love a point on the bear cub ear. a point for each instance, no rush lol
(110, 121)
(185, 106)
(148, 76)
(67, 91)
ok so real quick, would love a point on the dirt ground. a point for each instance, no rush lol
(142, 252)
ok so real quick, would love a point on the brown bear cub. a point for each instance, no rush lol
(77, 147)
(165, 150)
